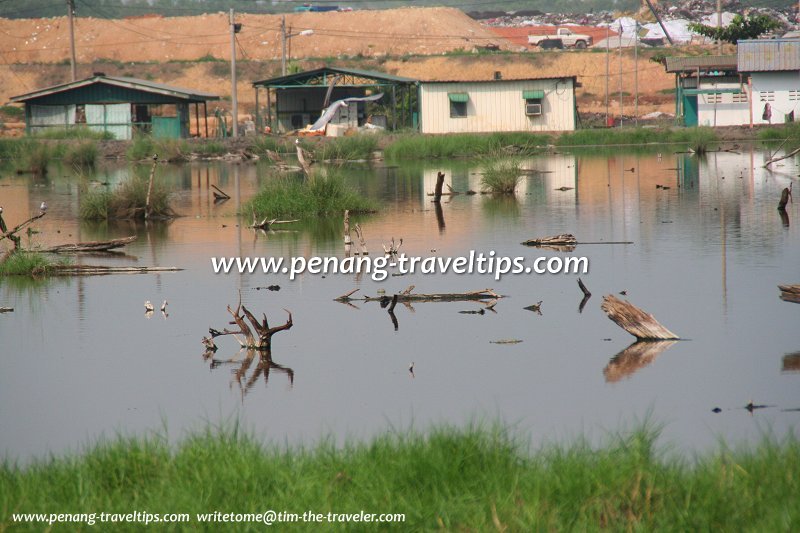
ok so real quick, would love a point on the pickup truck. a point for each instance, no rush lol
(563, 36)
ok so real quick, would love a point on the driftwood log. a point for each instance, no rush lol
(407, 296)
(565, 239)
(776, 159)
(6, 309)
(92, 246)
(790, 293)
(636, 356)
(219, 194)
(635, 321)
(791, 362)
(98, 270)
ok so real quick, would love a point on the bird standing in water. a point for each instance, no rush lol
(148, 307)
(43, 207)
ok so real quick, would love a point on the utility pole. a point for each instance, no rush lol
(621, 107)
(283, 45)
(719, 25)
(72, 62)
(636, 75)
(608, 45)
(234, 100)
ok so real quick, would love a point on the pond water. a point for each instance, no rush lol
(80, 360)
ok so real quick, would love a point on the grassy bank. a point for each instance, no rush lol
(698, 139)
(476, 479)
(417, 146)
(319, 195)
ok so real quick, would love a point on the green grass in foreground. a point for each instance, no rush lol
(316, 196)
(476, 479)
(26, 264)
(417, 146)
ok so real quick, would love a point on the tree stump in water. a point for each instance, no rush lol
(635, 321)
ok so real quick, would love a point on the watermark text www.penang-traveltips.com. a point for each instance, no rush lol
(378, 267)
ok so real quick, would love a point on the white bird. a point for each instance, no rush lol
(1, 209)
(43, 207)
(164, 306)
(148, 307)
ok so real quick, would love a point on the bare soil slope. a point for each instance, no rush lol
(407, 42)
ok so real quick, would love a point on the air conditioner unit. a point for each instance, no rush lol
(533, 109)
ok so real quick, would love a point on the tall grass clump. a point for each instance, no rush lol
(78, 132)
(318, 195)
(501, 176)
(35, 157)
(261, 144)
(700, 139)
(209, 149)
(127, 201)
(81, 155)
(478, 478)
(145, 146)
(790, 131)
(417, 146)
(23, 263)
(347, 148)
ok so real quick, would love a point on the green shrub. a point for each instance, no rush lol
(501, 176)
(127, 201)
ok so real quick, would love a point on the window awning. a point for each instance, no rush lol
(711, 91)
(458, 97)
(533, 95)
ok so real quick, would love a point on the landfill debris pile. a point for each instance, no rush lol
(676, 19)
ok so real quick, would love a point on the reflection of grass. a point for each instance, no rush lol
(501, 176)
(317, 196)
(501, 205)
(475, 478)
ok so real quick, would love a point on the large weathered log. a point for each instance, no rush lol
(92, 246)
(6, 309)
(790, 293)
(97, 270)
(636, 356)
(635, 321)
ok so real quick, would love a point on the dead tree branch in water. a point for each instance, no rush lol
(635, 321)
(260, 336)
(12, 233)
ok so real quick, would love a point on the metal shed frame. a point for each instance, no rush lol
(402, 90)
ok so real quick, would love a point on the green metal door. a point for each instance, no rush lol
(690, 110)
(166, 128)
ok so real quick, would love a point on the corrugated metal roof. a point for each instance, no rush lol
(128, 83)
(769, 55)
(692, 63)
(300, 77)
(573, 78)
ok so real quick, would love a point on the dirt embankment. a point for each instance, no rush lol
(192, 52)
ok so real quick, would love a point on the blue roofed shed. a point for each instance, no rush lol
(120, 106)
